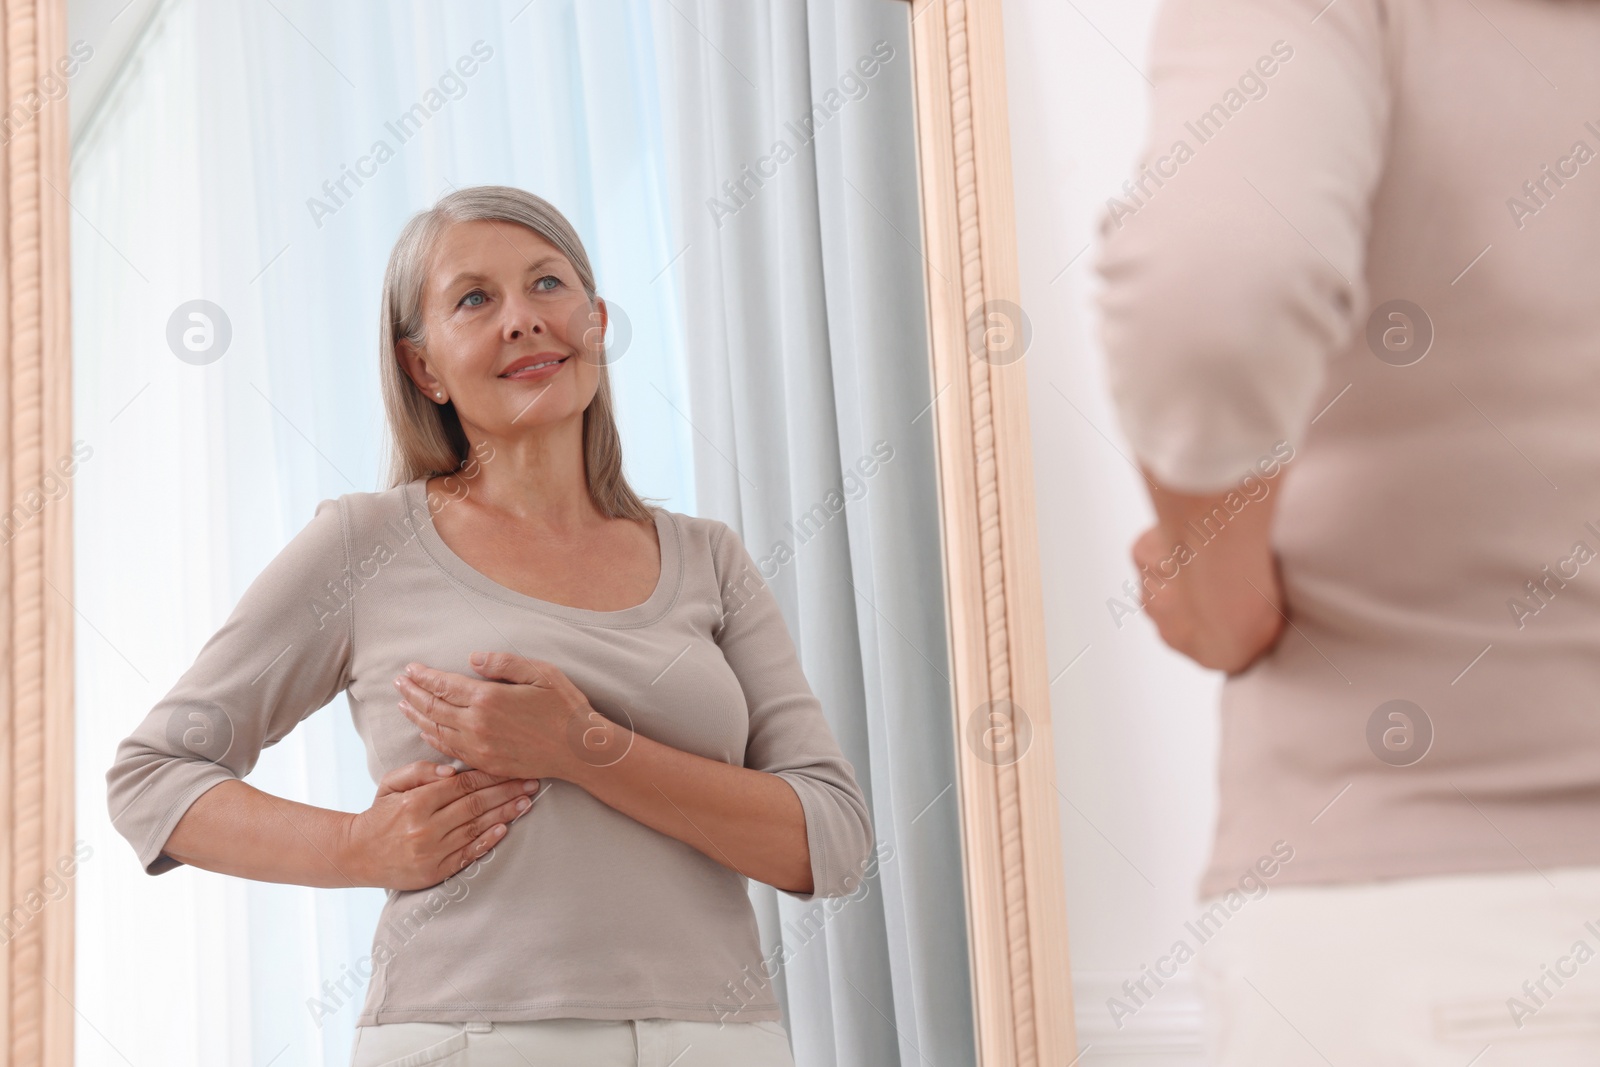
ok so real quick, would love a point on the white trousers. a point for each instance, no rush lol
(1492, 970)
(573, 1043)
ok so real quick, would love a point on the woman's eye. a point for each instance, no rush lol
(548, 278)
(469, 296)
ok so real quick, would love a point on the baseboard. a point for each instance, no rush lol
(1166, 1028)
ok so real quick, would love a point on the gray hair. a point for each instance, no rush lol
(425, 438)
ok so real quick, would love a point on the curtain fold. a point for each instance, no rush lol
(791, 148)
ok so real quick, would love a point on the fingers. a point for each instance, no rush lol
(444, 686)
(414, 774)
(1149, 552)
(465, 783)
(483, 816)
(1148, 544)
(478, 847)
(502, 815)
(509, 667)
(462, 783)
(479, 802)
(430, 707)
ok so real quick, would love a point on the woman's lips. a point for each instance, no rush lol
(534, 373)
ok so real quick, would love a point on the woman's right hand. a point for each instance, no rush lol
(425, 825)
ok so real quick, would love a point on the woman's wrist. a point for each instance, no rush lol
(595, 743)
(351, 856)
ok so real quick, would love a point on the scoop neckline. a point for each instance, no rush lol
(652, 608)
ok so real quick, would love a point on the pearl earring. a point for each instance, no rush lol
(439, 395)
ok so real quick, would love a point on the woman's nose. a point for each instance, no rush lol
(522, 316)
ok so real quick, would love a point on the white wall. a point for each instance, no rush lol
(1135, 724)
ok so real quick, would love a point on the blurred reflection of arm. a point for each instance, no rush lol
(1232, 266)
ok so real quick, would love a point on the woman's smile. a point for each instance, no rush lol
(534, 368)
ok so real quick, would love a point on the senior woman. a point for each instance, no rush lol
(1363, 242)
(510, 616)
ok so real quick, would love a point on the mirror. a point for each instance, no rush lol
(802, 253)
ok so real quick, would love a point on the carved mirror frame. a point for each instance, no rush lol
(1015, 880)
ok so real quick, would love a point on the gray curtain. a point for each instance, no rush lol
(792, 156)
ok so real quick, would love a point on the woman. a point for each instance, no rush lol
(509, 612)
(1363, 242)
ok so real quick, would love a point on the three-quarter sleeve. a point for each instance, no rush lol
(283, 653)
(789, 735)
(1232, 261)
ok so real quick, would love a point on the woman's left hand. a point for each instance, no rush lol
(518, 720)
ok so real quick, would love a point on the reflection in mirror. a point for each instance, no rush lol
(649, 426)
(1312, 293)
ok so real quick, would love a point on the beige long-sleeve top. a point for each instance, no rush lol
(579, 911)
(1311, 164)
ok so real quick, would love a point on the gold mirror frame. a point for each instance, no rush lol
(1011, 840)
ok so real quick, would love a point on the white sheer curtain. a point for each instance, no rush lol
(213, 172)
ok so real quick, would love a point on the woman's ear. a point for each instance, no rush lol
(596, 320)
(413, 361)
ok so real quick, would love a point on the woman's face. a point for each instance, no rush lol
(499, 298)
